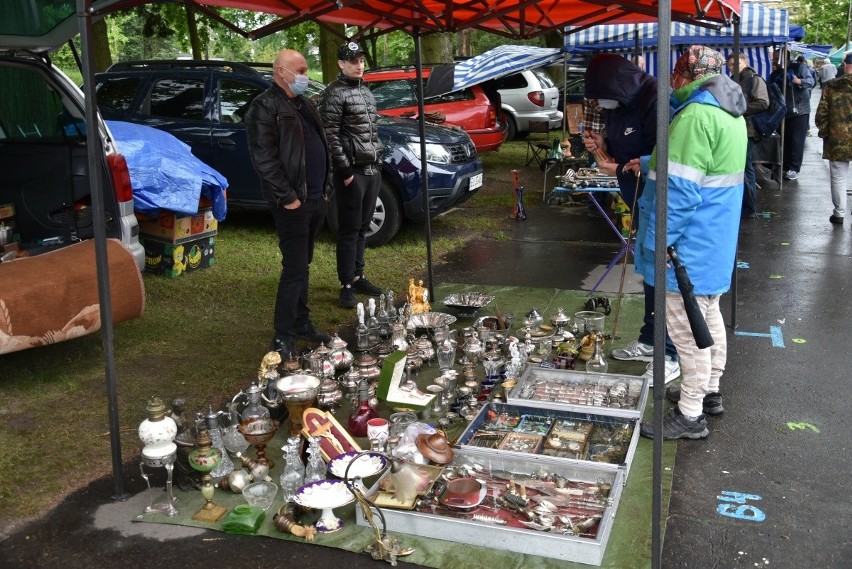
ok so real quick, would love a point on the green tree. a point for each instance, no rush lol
(825, 21)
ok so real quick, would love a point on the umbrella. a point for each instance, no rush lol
(495, 63)
(703, 339)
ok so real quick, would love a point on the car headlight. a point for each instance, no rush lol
(435, 153)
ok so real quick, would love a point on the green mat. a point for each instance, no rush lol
(629, 543)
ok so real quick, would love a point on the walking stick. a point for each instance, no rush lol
(624, 261)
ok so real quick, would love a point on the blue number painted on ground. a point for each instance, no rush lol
(743, 511)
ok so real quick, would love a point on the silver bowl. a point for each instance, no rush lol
(467, 303)
(430, 320)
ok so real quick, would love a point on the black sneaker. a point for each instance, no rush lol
(364, 286)
(677, 426)
(836, 219)
(347, 297)
(712, 404)
(285, 346)
(308, 332)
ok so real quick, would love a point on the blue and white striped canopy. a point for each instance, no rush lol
(498, 62)
(759, 27)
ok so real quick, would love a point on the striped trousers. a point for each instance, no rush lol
(701, 369)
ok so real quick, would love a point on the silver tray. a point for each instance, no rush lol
(588, 550)
(467, 440)
(581, 392)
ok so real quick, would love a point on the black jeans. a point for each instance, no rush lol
(297, 232)
(355, 206)
(646, 333)
(795, 132)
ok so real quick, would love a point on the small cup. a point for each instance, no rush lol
(378, 430)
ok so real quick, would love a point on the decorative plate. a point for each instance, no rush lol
(322, 494)
(362, 467)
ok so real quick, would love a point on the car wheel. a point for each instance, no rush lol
(513, 127)
(387, 217)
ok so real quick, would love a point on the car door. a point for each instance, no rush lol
(230, 152)
(179, 104)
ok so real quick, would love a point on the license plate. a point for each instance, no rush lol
(475, 182)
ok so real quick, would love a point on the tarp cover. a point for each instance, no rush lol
(495, 63)
(165, 174)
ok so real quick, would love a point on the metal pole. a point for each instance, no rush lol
(664, 43)
(424, 180)
(96, 165)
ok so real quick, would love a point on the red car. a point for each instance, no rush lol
(471, 109)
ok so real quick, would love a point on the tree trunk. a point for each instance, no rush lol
(192, 27)
(463, 43)
(437, 48)
(331, 37)
(100, 39)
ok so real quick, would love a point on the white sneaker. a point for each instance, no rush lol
(634, 351)
(672, 371)
(791, 175)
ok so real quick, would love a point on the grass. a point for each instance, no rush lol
(202, 337)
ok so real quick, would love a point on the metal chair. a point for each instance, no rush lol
(538, 142)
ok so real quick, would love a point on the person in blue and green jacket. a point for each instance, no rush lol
(707, 150)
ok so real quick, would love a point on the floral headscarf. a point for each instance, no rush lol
(698, 62)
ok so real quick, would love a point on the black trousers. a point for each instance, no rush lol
(297, 232)
(355, 206)
(795, 132)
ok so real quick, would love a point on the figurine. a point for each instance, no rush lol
(268, 370)
(418, 297)
(178, 413)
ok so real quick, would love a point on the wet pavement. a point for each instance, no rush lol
(765, 489)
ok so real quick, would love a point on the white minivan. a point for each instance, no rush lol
(529, 96)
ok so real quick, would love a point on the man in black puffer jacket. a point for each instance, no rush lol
(288, 149)
(349, 114)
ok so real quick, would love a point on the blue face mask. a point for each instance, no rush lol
(300, 84)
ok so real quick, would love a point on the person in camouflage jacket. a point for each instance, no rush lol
(834, 121)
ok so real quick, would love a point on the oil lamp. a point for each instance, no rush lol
(204, 458)
(157, 433)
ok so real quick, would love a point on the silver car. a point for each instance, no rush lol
(529, 96)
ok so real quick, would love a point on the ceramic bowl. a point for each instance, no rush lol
(260, 494)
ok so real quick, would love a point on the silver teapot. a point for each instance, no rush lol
(340, 356)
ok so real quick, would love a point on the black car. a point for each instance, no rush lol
(203, 103)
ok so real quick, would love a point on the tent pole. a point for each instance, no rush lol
(96, 167)
(424, 179)
(662, 171)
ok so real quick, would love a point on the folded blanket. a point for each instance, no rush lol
(243, 520)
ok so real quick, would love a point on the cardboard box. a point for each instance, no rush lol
(174, 259)
(7, 210)
(176, 228)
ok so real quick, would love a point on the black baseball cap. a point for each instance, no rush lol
(349, 50)
(848, 58)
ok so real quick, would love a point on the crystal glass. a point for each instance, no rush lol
(597, 363)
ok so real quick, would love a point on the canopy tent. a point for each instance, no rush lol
(836, 56)
(512, 18)
(810, 51)
(495, 63)
(759, 27)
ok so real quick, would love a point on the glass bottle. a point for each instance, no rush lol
(372, 322)
(363, 413)
(597, 362)
(362, 335)
(255, 408)
(398, 336)
(384, 319)
(294, 469)
(316, 467)
(211, 420)
(234, 440)
(447, 351)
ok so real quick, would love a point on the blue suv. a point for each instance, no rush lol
(203, 103)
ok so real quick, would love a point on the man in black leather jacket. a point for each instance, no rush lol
(349, 114)
(289, 150)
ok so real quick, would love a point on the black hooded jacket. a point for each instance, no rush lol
(631, 129)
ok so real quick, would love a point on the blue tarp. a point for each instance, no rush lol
(165, 174)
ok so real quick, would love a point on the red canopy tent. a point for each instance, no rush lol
(517, 19)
